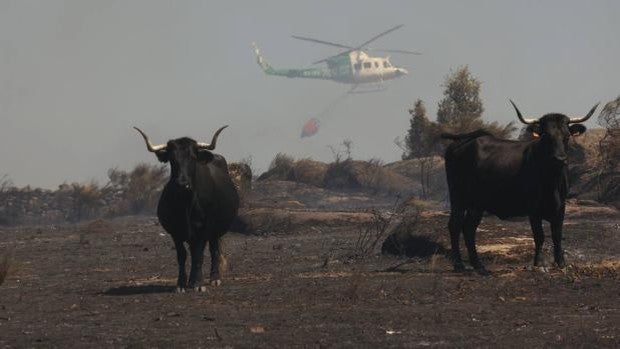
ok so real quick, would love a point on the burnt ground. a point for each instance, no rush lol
(108, 283)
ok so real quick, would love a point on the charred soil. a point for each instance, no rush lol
(109, 283)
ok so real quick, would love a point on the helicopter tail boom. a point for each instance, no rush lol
(310, 73)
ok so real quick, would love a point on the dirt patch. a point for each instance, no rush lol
(262, 221)
(589, 209)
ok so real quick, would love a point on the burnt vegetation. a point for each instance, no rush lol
(609, 150)
(126, 193)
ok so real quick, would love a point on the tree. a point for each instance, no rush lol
(421, 143)
(421, 139)
(461, 109)
(461, 106)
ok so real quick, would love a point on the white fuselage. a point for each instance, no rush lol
(366, 69)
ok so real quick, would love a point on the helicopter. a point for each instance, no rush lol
(354, 66)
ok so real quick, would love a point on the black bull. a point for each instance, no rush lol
(510, 178)
(197, 205)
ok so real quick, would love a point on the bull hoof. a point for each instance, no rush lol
(216, 283)
(200, 289)
(543, 269)
(179, 290)
(542, 262)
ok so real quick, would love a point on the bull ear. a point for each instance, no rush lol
(576, 129)
(534, 130)
(204, 155)
(162, 155)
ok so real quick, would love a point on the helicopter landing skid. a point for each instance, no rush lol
(378, 88)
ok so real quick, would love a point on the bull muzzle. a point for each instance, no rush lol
(184, 183)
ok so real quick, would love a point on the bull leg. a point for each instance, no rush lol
(181, 257)
(539, 238)
(197, 249)
(455, 225)
(556, 235)
(472, 220)
(217, 260)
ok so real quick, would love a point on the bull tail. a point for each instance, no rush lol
(465, 136)
(223, 261)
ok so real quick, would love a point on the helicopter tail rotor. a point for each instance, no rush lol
(260, 60)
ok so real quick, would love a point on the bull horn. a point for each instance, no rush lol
(152, 148)
(213, 140)
(523, 120)
(579, 120)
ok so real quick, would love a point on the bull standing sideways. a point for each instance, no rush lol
(197, 205)
(510, 178)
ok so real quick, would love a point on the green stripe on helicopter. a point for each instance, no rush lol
(310, 73)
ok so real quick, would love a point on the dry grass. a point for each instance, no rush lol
(308, 171)
(370, 234)
(285, 168)
(365, 175)
(279, 167)
(241, 175)
(341, 174)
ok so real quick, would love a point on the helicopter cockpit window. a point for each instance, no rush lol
(386, 64)
(357, 66)
(376, 64)
(367, 65)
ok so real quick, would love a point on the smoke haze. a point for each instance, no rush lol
(77, 75)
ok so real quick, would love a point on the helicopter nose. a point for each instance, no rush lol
(401, 71)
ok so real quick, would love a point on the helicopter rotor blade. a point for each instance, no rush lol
(321, 42)
(397, 51)
(378, 36)
(357, 48)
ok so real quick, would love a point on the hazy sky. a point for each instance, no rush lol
(77, 75)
